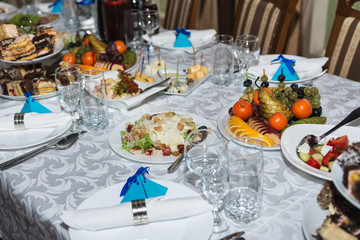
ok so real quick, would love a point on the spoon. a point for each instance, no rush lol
(174, 166)
(61, 144)
(313, 140)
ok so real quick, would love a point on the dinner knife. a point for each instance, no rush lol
(63, 143)
(234, 236)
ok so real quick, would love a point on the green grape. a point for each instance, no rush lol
(289, 104)
(307, 91)
(282, 85)
(264, 78)
(277, 92)
(316, 103)
(249, 89)
(293, 96)
(285, 101)
(314, 91)
(317, 97)
(288, 91)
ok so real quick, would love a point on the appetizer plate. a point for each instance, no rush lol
(222, 124)
(13, 140)
(337, 177)
(313, 218)
(196, 227)
(292, 136)
(23, 98)
(115, 141)
(181, 78)
(58, 47)
(313, 71)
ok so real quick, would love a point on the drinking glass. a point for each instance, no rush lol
(245, 164)
(150, 22)
(133, 33)
(246, 51)
(68, 83)
(215, 186)
(204, 148)
(94, 104)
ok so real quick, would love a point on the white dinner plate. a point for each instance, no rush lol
(266, 60)
(222, 124)
(115, 141)
(13, 140)
(58, 47)
(337, 177)
(196, 227)
(313, 218)
(36, 97)
(292, 136)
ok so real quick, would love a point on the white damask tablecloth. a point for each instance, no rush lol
(34, 193)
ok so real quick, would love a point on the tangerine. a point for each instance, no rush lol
(243, 109)
(256, 95)
(86, 40)
(120, 46)
(278, 121)
(69, 58)
(302, 108)
(88, 58)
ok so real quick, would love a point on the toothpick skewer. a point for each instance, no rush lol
(139, 60)
(159, 64)
(177, 69)
(142, 66)
(194, 55)
(202, 55)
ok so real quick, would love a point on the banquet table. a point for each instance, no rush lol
(33, 194)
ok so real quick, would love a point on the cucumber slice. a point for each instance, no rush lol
(304, 156)
(318, 148)
(318, 157)
(324, 168)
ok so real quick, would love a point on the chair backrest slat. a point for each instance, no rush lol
(181, 14)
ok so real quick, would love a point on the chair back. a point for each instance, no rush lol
(181, 14)
(267, 19)
(343, 49)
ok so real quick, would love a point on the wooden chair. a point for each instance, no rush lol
(181, 14)
(343, 49)
(267, 19)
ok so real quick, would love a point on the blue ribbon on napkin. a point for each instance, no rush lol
(183, 31)
(27, 95)
(288, 62)
(133, 179)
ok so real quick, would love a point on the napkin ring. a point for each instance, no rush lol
(139, 212)
(19, 121)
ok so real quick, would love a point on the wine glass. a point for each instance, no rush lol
(246, 51)
(150, 22)
(204, 148)
(68, 82)
(215, 186)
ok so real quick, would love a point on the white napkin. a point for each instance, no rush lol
(197, 37)
(158, 209)
(35, 120)
(305, 67)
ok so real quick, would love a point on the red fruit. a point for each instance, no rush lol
(148, 152)
(313, 163)
(242, 109)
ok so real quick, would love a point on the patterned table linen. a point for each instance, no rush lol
(34, 193)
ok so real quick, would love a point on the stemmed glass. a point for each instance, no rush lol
(215, 186)
(150, 22)
(204, 148)
(246, 51)
(68, 82)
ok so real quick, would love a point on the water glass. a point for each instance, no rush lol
(133, 33)
(68, 15)
(245, 164)
(68, 82)
(204, 148)
(215, 186)
(93, 103)
(246, 51)
(150, 22)
(222, 59)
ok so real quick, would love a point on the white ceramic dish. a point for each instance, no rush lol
(222, 124)
(266, 59)
(115, 142)
(13, 140)
(313, 218)
(196, 227)
(58, 47)
(337, 177)
(292, 136)
(36, 97)
(8, 8)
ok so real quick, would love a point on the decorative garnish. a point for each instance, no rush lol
(126, 84)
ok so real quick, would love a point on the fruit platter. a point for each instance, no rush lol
(265, 112)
